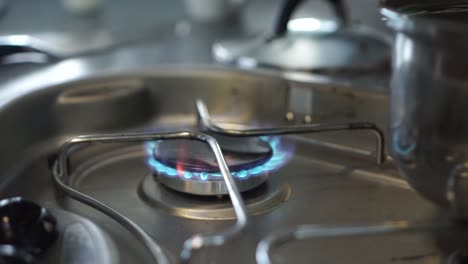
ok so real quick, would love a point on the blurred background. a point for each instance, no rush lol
(74, 27)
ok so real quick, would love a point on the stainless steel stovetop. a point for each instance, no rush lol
(319, 197)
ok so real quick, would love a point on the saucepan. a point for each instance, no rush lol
(429, 98)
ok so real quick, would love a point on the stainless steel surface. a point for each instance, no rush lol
(316, 232)
(205, 120)
(332, 179)
(194, 243)
(104, 105)
(81, 241)
(428, 91)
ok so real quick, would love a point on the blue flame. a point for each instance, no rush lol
(281, 154)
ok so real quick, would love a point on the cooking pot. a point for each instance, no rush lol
(429, 98)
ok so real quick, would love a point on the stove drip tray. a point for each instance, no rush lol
(190, 167)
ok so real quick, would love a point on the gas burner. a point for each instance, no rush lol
(190, 166)
(254, 159)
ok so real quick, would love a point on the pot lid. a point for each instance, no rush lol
(323, 49)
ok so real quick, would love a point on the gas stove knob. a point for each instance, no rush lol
(12, 255)
(26, 226)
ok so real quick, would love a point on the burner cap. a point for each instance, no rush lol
(191, 167)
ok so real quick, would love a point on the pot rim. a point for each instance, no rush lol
(421, 25)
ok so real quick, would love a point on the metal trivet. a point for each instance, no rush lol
(61, 174)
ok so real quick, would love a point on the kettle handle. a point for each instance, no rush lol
(288, 7)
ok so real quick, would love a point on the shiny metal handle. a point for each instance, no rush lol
(288, 7)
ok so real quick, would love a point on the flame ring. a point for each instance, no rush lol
(279, 157)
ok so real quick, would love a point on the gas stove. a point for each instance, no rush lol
(218, 175)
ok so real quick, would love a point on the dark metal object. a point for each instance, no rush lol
(285, 11)
(429, 128)
(26, 226)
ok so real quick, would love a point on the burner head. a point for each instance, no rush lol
(194, 156)
(190, 166)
